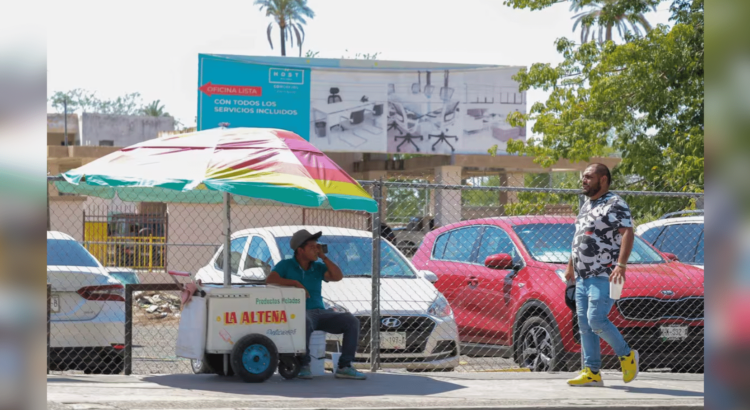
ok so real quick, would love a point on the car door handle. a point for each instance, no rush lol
(473, 281)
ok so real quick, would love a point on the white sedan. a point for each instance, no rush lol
(418, 331)
(87, 329)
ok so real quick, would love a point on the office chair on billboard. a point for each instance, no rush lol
(404, 122)
(353, 122)
(376, 112)
(334, 97)
(449, 117)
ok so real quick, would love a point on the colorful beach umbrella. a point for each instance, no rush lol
(250, 163)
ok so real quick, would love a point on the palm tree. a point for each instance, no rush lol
(289, 15)
(155, 109)
(621, 22)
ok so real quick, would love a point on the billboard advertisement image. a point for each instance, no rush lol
(364, 105)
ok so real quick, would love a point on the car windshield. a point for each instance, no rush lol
(551, 243)
(66, 252)
(353, 255)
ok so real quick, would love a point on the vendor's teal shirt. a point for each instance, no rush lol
(312, 279)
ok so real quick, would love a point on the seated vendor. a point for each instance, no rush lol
(304, 271)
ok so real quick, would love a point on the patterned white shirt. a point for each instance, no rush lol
(596, 244)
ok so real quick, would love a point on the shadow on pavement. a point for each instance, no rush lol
(667, 392)
(378, 384)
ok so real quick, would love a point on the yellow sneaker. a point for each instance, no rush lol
(587, 378)
(629, 366)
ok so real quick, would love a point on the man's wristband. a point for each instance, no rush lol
(622, 265)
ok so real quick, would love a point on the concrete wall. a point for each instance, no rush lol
(66, 215)
(195, 230)
(124, 130)
(56, 129)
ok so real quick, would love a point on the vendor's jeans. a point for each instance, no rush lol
(337, 323)
(592, 307)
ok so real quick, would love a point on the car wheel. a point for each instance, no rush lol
(539, 346)
(254, 358)
(200, 366)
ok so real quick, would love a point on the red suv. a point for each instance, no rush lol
(504, 279)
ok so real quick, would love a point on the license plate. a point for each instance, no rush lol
(54, 304)
(390, 340)
(674, 332)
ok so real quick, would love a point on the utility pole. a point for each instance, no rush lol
(65, 118)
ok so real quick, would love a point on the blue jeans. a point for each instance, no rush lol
(592, 307)
(336, 323)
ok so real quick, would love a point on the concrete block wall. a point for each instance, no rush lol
(123, 130)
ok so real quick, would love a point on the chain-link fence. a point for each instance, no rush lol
(470, 275)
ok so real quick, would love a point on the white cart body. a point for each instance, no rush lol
(277, 313)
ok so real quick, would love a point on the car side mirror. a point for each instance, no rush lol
(500, 261)
(253, 275)
(429, 276)
(671, 257)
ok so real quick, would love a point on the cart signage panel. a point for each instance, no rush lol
(276, 313)
(364, 105)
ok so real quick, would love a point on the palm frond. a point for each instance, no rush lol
(268, 33)
(299, 38)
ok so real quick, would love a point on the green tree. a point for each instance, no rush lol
(404, 203)
(289, 16)
(154, 109)
(643, 99)
(80, 100)
(597, 12)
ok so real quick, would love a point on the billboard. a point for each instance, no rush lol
(364, 105)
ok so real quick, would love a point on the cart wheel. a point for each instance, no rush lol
(254, 358)
(289, 366)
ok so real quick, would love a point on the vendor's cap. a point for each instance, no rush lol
(301, 237)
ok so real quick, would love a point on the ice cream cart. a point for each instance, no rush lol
(260, 328)
(251, 330)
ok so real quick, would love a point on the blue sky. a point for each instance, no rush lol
(152, 47)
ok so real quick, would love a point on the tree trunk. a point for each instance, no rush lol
(609, 32)
(282, 29)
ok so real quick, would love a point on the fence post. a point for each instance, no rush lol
(377, 191)
(227, 240)
(128, 370)
(49, 301)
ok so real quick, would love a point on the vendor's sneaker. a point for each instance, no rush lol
(629, 366)
(349, 373)
(587, 378)
(305, 373)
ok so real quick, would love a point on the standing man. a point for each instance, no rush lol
(304, 271)
(601, 248)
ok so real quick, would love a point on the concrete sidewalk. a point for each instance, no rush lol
(381, 390)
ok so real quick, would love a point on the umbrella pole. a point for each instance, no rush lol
(377, 191)
(227, 241)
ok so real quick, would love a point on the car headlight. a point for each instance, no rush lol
(329, 304)
(440, 307)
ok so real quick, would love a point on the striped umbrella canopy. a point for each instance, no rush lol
(250, 163)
